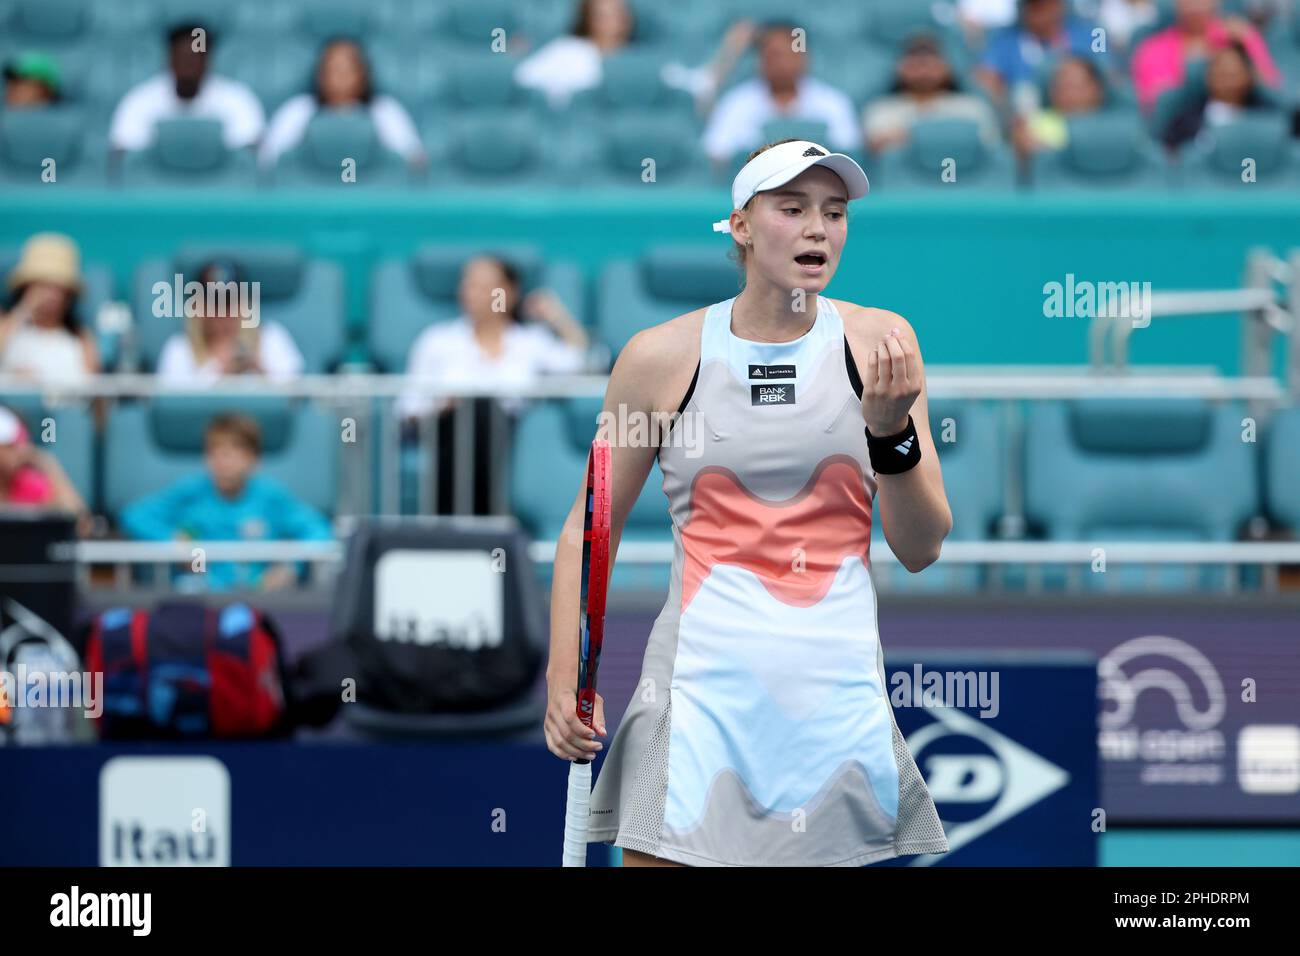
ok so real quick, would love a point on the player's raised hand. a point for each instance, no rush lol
(891, 385)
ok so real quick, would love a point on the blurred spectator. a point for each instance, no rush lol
(703, 82)
(343, 81)
(1160, 61)
(782, 91)
(33, 477)
(220, 343)
(1076, 87)
(571, 63)
(187, 89)
(1015, 54)
(489, 343)
(40, 334)
(978, 17)
(1121, 19)
(1229, 89)
(924, 89)
(229, 502)
(31, 80)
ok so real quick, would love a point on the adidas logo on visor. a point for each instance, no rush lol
(813, 151)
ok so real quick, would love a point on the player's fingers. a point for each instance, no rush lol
(600, 716)
(578, 731)
(558, 741)
(886, 366)
(898, 359)
(872, 382)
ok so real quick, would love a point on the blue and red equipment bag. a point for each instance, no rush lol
(184, 670)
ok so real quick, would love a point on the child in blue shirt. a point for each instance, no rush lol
(230, 502)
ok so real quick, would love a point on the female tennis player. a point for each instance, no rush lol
(761, 731)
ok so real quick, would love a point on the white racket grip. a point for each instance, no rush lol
(576, 813)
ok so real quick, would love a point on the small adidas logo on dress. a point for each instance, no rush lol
(905, 447)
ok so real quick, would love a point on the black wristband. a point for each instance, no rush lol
(894, 454)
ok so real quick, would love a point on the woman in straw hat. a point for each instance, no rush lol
(40, 335)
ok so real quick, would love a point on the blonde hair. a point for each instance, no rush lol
(199, 346)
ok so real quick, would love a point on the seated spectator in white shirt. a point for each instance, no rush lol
(781, 92)
(490, 342)
(924, 89)
(220, 343)
(343, 81)
(40, 335)
(187, 90)
(571, 63)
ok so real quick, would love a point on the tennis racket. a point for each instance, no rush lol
(591, 630)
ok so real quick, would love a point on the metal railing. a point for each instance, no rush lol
(1075, 558)
(370, 478)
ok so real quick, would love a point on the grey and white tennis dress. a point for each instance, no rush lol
(761, 731)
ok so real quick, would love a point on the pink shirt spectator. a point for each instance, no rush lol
(1159, 63)
(29, 487)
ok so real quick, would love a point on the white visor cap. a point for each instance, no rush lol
(777, 166)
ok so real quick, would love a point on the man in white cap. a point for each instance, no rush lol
(769, 700)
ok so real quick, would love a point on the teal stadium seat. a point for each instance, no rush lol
(402, 68)
(47, 25)
(1282, 469)
(1264, 138)
(626, 141)
(632, 81)
(73, 438)
(150, 446)
(1283, 38)
(408, 294)
(471, 22)
(189, 153)
(858, 69)
(486, 129)
(685, 30)
(331, 139)
(1105, 150)
(220, 18)
(97, 291)
(548, 462)
(939, 145)
(1151, 469)
(322, 19)
(274, 66)
(29, 137)
(634, 294)
(108, 78)
(495, 149)
(544, 20)
(304, 295)
(969, 439)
